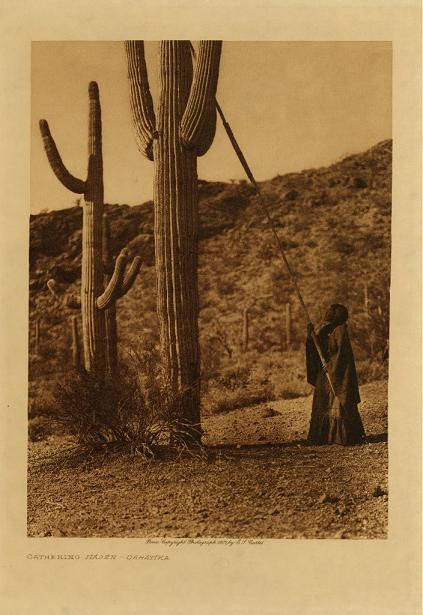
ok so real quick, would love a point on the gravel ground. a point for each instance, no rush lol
(259, 480)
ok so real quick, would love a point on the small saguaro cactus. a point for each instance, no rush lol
(185, 129)
(94, 298)
(110, 312)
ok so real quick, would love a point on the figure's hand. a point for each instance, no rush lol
(310, 328)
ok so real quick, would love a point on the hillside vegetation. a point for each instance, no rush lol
(334, 223)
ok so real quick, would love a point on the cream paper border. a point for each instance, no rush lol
(282, 576)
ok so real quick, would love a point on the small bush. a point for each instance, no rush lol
(41, 403)
(371, 369)
(288, 393)
(223, 400)
(39, 428)
(47, 351)
(233, 377)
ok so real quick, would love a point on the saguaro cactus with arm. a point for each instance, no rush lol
(185, 129)
(94, 298)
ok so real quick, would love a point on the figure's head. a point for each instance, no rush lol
(337, 314)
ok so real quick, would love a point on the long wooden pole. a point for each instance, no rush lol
(277, 238)
(250, 176)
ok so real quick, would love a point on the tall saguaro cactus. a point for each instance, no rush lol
(184, 129)
(94, 298)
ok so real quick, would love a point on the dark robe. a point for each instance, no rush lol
(334, 420)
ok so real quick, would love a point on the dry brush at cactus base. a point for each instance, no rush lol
(335, 226)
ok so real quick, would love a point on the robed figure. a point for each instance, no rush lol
(334, 420)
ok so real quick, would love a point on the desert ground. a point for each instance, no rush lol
(255, 478)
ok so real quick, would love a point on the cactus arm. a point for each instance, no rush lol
(202, 95)
(205, 139)
(69, 181)
(142, 108)
(114, 287)
(130, 276)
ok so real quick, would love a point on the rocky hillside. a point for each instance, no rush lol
(334, 223)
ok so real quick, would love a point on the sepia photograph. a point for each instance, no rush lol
(210, 312)
(209, 289)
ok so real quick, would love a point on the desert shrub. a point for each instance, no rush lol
(225, 287)
(220, 399)
(289, 393)
(211, 359)
(371, 369)
(255, 379)
(266, 252)
(234, 387)
(41, 403)
(51, 318)
(39, 428)
(221, 340)
(135, 410)
(359, 183)
(234, 376)
(285, 372)
(47, 351)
